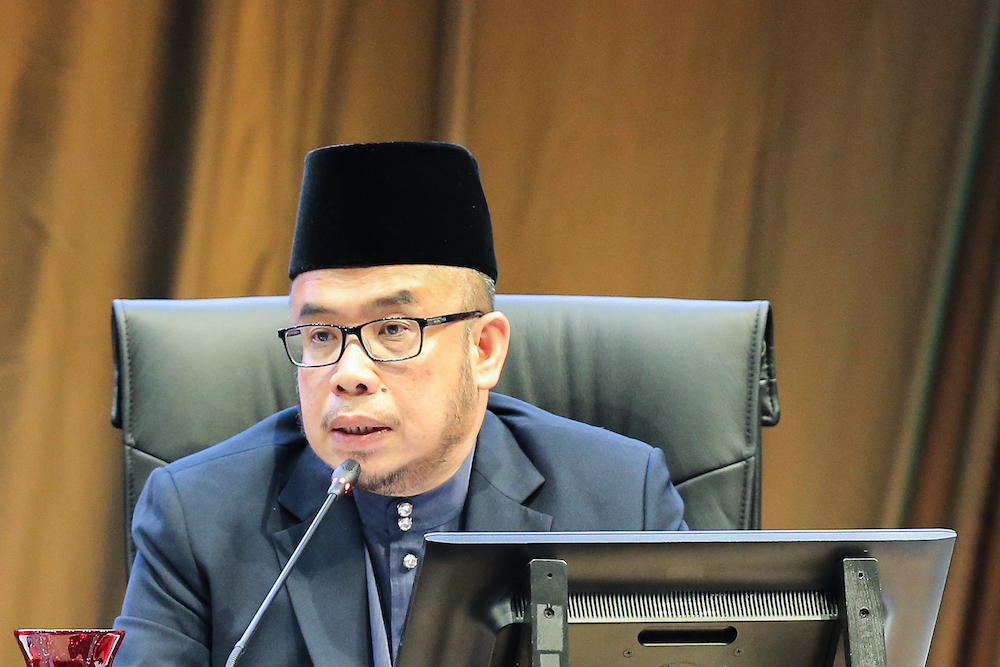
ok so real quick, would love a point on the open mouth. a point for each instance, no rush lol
(360, 430)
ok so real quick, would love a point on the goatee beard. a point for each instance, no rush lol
(413, 475)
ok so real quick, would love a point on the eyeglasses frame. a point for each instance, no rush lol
(422, 322)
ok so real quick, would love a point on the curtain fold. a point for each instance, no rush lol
(279, 80)
(78, 97)
(801, 154)
(957, 470)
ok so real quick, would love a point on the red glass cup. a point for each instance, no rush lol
(69, 648)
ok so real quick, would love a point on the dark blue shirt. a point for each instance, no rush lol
(394, 532)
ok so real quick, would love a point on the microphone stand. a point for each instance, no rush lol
(341, 482)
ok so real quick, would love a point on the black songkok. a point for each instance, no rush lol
(392, 203)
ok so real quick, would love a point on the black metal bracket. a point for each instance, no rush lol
(863, 614)
(548, 603)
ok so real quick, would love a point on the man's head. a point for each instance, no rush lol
(397, 231)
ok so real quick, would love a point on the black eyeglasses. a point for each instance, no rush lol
(387, 339)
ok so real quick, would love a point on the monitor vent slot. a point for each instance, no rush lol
(672, 606)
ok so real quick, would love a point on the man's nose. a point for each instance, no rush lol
(354, 374)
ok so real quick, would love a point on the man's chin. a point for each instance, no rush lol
(383, 483)
(409, 479)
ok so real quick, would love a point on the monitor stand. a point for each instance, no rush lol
(548, 606)
(861, 611)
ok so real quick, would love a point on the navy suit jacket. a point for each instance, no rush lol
(214, 529)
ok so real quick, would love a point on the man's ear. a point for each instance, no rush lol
(490, 338)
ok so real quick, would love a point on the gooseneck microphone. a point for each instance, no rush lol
(341, 482)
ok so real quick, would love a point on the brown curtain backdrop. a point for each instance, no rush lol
(804, 152)
(957, 471)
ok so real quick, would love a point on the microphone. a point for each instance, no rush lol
(342, 480)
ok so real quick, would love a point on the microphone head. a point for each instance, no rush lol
(344, 477)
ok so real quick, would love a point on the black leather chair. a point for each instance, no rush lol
(695, 378)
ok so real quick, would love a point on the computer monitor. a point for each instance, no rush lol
(653, 599)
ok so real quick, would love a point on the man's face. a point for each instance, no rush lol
(410, 424)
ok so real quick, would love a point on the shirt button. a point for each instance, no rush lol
(404, 508)
(409, 561)
(405, 523)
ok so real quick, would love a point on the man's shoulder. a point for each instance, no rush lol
(266, 442)
(563, 449)
(569, 465)
(529, 424)
(238, 477)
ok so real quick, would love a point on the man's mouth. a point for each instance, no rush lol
(360, 430)
(361, 426)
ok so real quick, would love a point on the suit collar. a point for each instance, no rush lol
(503, 479)
(332, 568)
(306, 488)
(330, 571)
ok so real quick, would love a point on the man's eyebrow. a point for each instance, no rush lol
(312, 309)
(400, 298)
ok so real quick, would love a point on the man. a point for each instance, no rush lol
(397, 347)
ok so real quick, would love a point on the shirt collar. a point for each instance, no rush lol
(427, 510)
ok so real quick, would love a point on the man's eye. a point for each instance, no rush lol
(320, 336)
(394, 328)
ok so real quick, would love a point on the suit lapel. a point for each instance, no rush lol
(502, 480)
(327, 587)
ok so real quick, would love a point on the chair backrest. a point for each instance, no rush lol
(695, 378)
